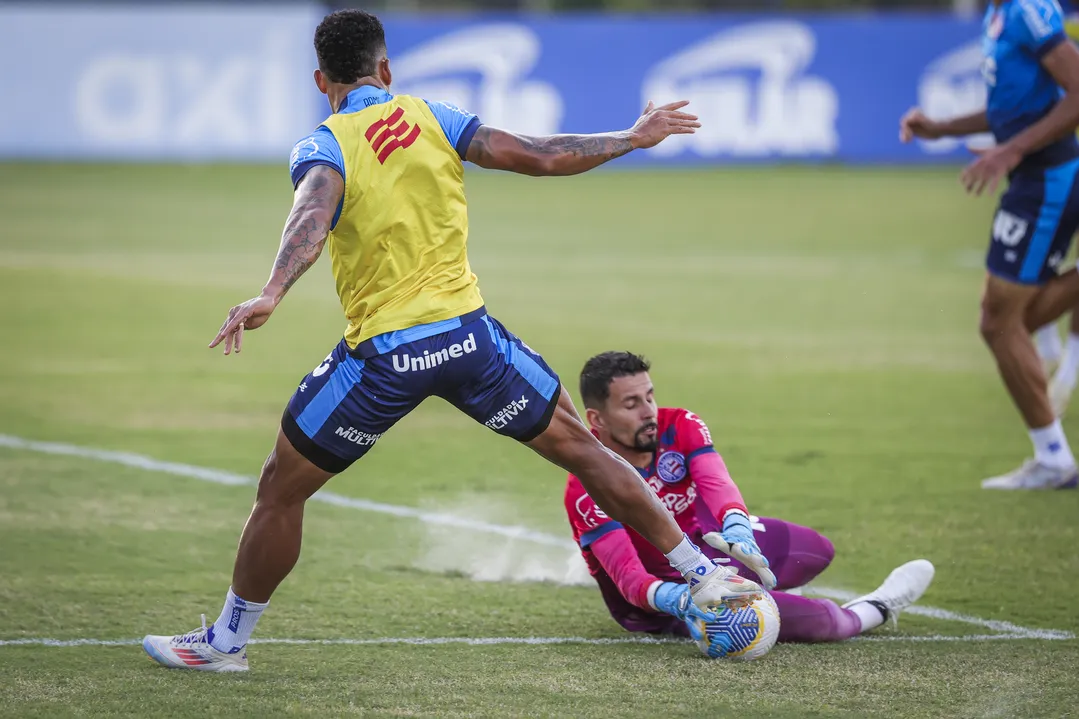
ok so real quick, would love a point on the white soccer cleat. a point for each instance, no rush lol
(192, 651)
(723, 586)
(1060, 394)
(1035, 475)
(903, 587)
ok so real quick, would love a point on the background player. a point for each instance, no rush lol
(673, 451)
(1061, 359)
(1033, 110)
(382, 179)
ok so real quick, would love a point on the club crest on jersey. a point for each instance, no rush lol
(671, 467)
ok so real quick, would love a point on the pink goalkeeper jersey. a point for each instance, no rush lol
(692, 482)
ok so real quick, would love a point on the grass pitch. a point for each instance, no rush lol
(822, 321)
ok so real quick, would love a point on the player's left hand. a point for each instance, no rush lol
(674, 599)
(250, 315)
(986, 172)
(656, 124)
(736, 540)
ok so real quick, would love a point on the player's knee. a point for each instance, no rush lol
(274, 490)
(571, 445)
(823, 552)
(994, 321)
(810, 553)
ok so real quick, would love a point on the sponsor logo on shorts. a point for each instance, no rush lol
(407, 363)
(364, 439)
(671, 467)
(322, 368)
(1009, 229)
(507, 413)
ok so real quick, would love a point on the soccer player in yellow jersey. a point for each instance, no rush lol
(381, 181)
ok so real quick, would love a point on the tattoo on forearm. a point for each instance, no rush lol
(300, 247)
(308, 226)
(590, 150)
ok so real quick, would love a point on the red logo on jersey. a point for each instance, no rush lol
(395, 127)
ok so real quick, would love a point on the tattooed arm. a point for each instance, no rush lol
(313, 207)
(306, 229)
(572, 154)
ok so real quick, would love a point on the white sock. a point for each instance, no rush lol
(688, 559)
(1047, 340)
(1068, 371)
(1051, 446)
(232, 630)
(870, 615)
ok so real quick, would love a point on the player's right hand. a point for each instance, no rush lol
(250, 315)
(724, 586)
(674, 599)
(656, 124)
(915, 124)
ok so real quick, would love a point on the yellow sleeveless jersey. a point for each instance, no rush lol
(399, 246)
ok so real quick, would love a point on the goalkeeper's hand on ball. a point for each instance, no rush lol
(674, 599)
(736, 540)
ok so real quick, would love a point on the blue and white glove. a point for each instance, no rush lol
(737, 540)
(719, 644)
(674, 599)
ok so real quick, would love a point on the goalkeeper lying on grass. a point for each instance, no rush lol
(672, 449)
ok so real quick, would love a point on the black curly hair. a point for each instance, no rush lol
(598, 372)
(348, 44)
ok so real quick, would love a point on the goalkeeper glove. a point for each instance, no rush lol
(737, 540)
(674, 599)
(719, 644)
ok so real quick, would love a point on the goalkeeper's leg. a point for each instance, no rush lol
(816, 620)
(796, 554)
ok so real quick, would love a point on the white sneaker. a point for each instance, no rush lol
(1060, 394)
(903, 587)
(192, 651)
(723, 586)
(1034, 475)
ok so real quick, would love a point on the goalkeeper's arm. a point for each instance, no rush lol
(618, 557)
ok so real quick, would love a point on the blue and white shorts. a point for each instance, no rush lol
(350, 400)
(1033, 227)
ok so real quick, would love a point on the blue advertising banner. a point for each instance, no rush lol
(172, 82)
(765, 88)
(234, 82)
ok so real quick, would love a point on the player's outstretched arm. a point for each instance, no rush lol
(552, 155)
(915, 124)
(313, 207)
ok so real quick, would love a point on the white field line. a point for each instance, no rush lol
(1007, 629)
(488, 641)
(219, 476)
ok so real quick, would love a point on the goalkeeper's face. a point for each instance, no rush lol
(629, 416)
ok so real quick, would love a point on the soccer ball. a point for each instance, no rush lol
(751, 631)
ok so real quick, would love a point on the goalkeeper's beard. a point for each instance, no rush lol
(642, 442)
